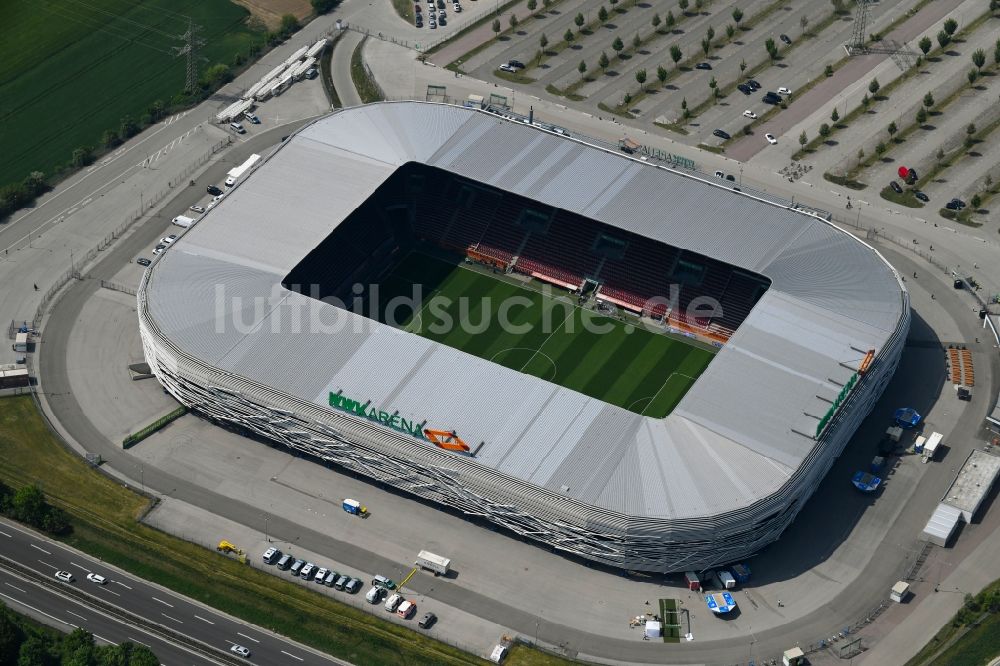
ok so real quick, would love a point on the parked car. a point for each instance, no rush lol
(406, 609)
(382, 581)
(785, 38)
(745, 89)
(213, 190)
(393, 602)
(442, 20)
(64, 576)
(321, 575)
(719, 174)
(159, 249)
(330, 578)
(958, 202)
(507, 68)
(895, 187)
(352, 586)
(143, 261)
(308, 571)
(920, 195)
(427, 621)
(251, 117)
(458, 8)
(271, 555)
(97, 578)
(417, 9)
(516, 64)
(951, 205)
(721, 134)
(731, 178)
(198, 209)
(375, 594)
(750, 114)
(238, 128)
(167, 240)
(784, 91)
(341, 582)
(703, 65)
(753, 84)
(240, 651)
(296, 567)
(770, 139)
(771, 99)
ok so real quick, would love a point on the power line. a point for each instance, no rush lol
(192, 42)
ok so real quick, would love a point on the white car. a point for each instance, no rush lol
(750, 114)
(64, 576)
(198, 209)
(784, 91)
(770, 139)
(97, 578)
(240, 651)
(393, 602)
(374, 595)
(159, 249)
(168, 239)
(507, 68)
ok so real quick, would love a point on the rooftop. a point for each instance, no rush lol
(973, 482)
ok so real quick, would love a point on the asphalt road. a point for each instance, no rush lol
(139, 597)
(50, 607)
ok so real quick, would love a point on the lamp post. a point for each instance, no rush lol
(266, 538)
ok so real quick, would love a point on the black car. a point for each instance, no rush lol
(703, 65)
(731, 178)
(958, 203)
(769, 99)
(744, 88)
(213, 190)
(516, 63)
(722, 135)
(911, 175)
(427, 620)
(951, 205)
(920, 195)
(895, 187)
(143, 261)
(753, 84)
(785, 38)
(442, 21)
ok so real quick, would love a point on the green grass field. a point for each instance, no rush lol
(644, 371)
(69, 69)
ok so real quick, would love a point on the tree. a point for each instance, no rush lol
(602, 15)
(803, 139)
(730, 31)
(613, 3)
(824, 130)
(675, 53)
(803, 22)
(972, 76)
(699, 4)
(512, 21)
(109, 139)
(289, 24)
(976, 201)
(670, 21)
(543, 41)
(710, 33)
(892, 129)
(603, 61)
(737, 15)
(861, 155)
(215, 77)
(579, 20)
(627, 99)
(880, 148)
(496, 26)
(950, 26)
(828, 70)
(834, 115)
(979, 59)
(839, 7)
(661, 74)
(656, 21)
(772, 49)
(127, 129)
(712, 83)
(636, 41)
(582, 68)
(928, 100)
(683, 4)
(546, 3)
(866, 101)
(11, 636)
(640, 78)
(921, 116)
(873, 87)
(532, 5)
(568, 35)
(943, 39)
(970, 129)
(925, 45)
(82, 156)
(706, 46)
(324, 6)
(988, 182)
(157, 110)
(618, 45)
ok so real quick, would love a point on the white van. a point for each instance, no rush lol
(236, 127)
(392, 603)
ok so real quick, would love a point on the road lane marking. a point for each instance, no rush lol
(292, 655)
(40, 548)
(172, 618)
(6, 535)
(111, 591)
(51, 566)
(162, 602)
(249, 638)
(104, 639)
(122, 584)
(80, 566)
(79, 616)
(16, 588)
(137, 641)
(36, 610)
(203, 619)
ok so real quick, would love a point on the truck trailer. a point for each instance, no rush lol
(237, 173)
(431, 562)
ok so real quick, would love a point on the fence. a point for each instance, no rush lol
(115, 286)
(119, 231)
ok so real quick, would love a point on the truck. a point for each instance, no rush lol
(931, 446)
(431, 562)
(183, 221)
(21, 342)
(354, 507)
(236, 173)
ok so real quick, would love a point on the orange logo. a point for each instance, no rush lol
(446, 439)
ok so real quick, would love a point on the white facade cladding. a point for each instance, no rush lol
(718, 479)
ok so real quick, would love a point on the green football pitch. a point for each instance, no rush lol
(551, 337)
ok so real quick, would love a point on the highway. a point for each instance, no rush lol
(150, 602)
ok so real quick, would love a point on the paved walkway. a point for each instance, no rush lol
(480, 35)
(340, 68)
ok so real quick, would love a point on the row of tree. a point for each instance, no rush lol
(28, 505)
(23, 643)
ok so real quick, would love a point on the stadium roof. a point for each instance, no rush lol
(738, 434)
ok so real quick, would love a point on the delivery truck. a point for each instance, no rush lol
(431, 562)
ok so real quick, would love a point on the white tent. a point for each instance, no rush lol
(654, 629)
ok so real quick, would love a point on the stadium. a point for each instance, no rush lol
(625, 362)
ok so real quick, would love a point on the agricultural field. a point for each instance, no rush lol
(641, 370)
(71, 70)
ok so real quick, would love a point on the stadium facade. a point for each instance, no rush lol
(715, 481)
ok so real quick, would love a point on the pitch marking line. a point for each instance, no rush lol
(665, 382)
(572, 312)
